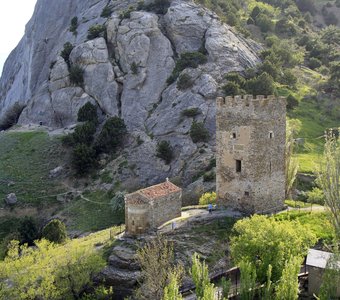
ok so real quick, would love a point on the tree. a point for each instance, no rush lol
(292, 163)
(111, 136)
(156, 259)
(88, 113)
(171, 291)
(65, 53)
(263, 241)
(330, 278)
(288, 286)
(198, 132)
(83, 158)
(164, 151)
(261, 85)
(77, 75)
(83, 134)
(248, 280)
(118, 202)
(28, 230)
(329, 179)
(200, 276)
(55, 231)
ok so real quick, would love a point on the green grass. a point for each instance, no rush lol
(293, 203)
(92, 215)
(25, 161)
(318, 222)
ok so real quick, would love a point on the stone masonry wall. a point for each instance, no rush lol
(252, 131)
(166, 208)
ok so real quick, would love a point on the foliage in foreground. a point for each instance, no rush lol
(263, 241)
(208, 198)
(51, 271)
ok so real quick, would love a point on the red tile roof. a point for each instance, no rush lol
(159, 190)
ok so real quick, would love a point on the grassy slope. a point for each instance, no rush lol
(25, 160)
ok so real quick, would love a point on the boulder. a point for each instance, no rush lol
(11, 199)
(56, 172)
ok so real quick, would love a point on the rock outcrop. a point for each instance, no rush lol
(126, 74)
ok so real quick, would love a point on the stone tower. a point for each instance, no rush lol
(251, 138)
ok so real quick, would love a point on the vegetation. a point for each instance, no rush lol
(207, 198)
(157, 6)
(84, 158)
(198, 132)
(88, 113)
(106, 12)
(165, 151)
(55, 232)
(65, 53)
(262, 241)
(118, 202)
(67, 269)
(111, 135)
(248, 280)
(184, 82)
(200, 277)
(74, 25)
(96, 31)
(191, 112)
(77, 75)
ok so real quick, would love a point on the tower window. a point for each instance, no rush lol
(238, 166)
(234, 135)
(271, 134)
(246, 194)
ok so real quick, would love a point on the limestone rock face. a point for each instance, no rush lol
(126, 74)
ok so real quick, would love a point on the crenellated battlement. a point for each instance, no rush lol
(249, 101)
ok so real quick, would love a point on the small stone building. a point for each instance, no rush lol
(149, 208)
(316, 263)
(250, 156)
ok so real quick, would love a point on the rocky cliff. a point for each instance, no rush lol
(126, 74)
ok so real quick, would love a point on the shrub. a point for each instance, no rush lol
(74, 25)
(165, 151)
(134, 68)
(96, 31)
(158, 6)
(88, 113)
(314, 63)
(316, 196)
(77, 75)
(67, 140)
(270, 69)
(265, 23)
(118, 202)
(231, 89)
(106, 12)
(111, 136)
(261, 85)
(288, 78)
(83, 134)
(236, 77)
(11, 117)
(191, 112)
(292, 102)
(198, 132)
(28, 230)
(184, 82)
(306, 6)
(187, 60)
(55, 231)
(207, 198)
(83, 158)
(65, 53)
(127, 13)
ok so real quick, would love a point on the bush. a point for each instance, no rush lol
(74, 25)
(118, 202)
(270, 69)
(292, 102)
(11, 117)
(264, 23)
(77, 75)
(207, 198)
(111, 136)
(83, 158)
(306, 6)
(65, 53)
(158, 6)
(55, 231)
(288, 78)
(88, 113)
(28, 230)
(236, 77)
(134, 68)
(184, 82)
(187, 60)
(191, 112)
(261, 85)
(198, 132)
(83, 134)
(96, 31)
(316, 196)
(106, 12)
(314, 63)
(164, 151)
(231, 89)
